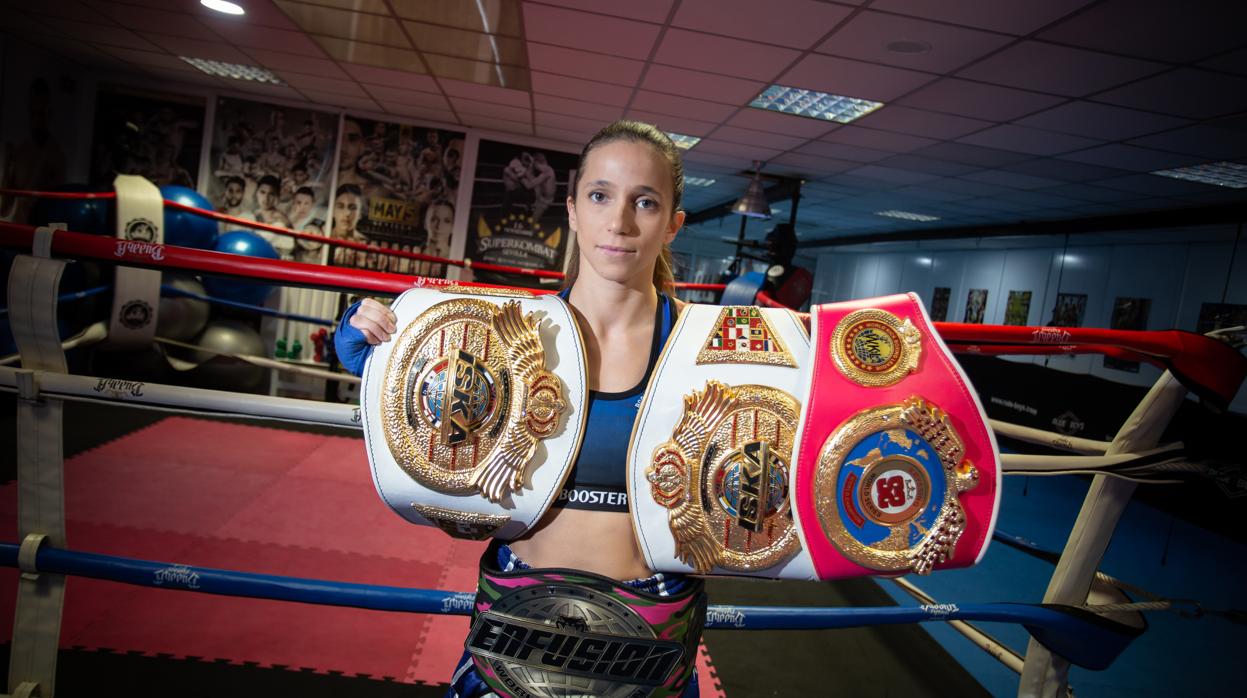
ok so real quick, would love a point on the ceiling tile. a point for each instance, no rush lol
(582, 64)
(681, 106)
(253, 36)
(588, 110)
(970, 154)
(150, 58)
(852, 134)
(892, 174)
(926, 193)
(917, 163)
(358, 26)
(276, 60)
(972, 99)
(485, 93)
(842, 76)
(868, 35)
(394, 79)
(582, 30)
(467, 44)
(795, 23)
(733, 163)
(716, 54)
(376, 7)
(412, 98)
(486, 122)
(749, 136)
(502, 16)
(1052, 168)
(303, 83)
(338, 100)
(1009, 16)
(1088, 192)
(193, 48)
(492, 109)
(1127, 157)
(1013, 180)
(677, 124)
(921, 122)
(575, 88)
(1198, 94)
(480, 72)
(1154, 185)
(571, 123)
(1044, 67)
(645, 10)
(571, 138)
(1165, 31)
(259, 13)
(20, 24)
(1028, 140)
(699, 85)
(1201, 141)
(842, 152)
(751, 152)
(67, 9)
(1100, 121)
(1230, 62)
(264, 89)
(967, 187)
(99, 34)
(372, 54)
(763, 120)
(416, 112)
(157, 20)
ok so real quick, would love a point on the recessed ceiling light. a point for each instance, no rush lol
(697, 181)
(223, 6)
(233, 71)
(813, 104)
(907, 216)
(1223, 174)
(682, 141)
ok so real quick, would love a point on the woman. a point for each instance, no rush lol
(624, 209)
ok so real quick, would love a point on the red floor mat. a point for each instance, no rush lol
(212, 494)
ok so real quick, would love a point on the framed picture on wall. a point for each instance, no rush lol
(1018, 307)
(1214, 316)
(976, 305)
(939, 303)
(1069, 310)
(1128, 314)
(155, 136)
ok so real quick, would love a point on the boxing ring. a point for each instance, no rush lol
(1084, 619)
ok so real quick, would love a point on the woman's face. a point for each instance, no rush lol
(345, 214)
(439, 221)
(624, 211)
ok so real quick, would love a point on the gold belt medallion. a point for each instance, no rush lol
(887, 487)
(723, 477)
(467, 397)
(875, 348)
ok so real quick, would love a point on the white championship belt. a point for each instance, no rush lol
(710, 459)
(474, 412)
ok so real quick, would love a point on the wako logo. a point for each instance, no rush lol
(141, 230)
(136, 314)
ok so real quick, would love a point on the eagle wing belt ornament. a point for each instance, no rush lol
(468, 427)
(896, 470)
(710, 462)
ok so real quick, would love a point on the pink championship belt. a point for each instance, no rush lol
(896, 468)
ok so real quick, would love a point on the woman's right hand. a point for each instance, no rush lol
(376, 321)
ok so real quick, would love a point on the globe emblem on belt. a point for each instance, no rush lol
(457, 395)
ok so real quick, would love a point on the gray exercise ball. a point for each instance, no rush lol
(182, 318)
(223, 372)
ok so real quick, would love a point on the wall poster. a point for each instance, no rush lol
(1128, 314)
(976, 305)
(1069, 310)
(518, 217)
(396, 189)
(155, 136)
(1018, 307)
(939, 303)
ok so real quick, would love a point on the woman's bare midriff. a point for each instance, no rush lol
(594, 541)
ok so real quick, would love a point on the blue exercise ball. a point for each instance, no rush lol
(249, 244)
(90, 216)
(188, 229)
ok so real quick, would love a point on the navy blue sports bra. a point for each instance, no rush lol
(597, 479)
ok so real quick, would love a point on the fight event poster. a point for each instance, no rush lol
(274, 164)
(154, 136)
(1128, 314)
(518, 214)
(396, 189)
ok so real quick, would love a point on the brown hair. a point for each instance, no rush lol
(637, 132)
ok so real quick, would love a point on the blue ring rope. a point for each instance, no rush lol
(1084, 639)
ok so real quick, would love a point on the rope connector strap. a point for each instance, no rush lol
(28, 553)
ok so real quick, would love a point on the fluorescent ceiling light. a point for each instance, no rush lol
(223, 6)
(814, 105)
(233, 70)
(1222, 174)
(682, 141)
(697, 181)
(907, 216)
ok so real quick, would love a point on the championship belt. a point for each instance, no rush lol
(554, 632)
(710, 462)
(896, 469)
(467, 425)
